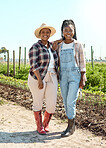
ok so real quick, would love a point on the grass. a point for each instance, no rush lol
(2, 101)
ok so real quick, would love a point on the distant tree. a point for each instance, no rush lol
(3, 50)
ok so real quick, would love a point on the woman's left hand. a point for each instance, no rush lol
(82, 82)
(81, 85)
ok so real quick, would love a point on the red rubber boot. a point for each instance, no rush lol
(47, 117)
(38, 119)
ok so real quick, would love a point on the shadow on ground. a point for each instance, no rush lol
(28, 137)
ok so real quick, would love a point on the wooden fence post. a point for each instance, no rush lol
(7, 62)
(19, 57)
(92, 56)
(13, 63)
(25, 56)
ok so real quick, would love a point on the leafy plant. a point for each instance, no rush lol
(96, 77)
(13, 82)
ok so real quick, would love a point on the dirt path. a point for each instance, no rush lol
(18, 130)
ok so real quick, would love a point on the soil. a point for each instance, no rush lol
(17, 126)
(18, 130)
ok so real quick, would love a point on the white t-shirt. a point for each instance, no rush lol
(67, 46)
(51, 64)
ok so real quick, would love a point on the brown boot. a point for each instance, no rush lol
(38, 119)
(70, 128)
(47, 117)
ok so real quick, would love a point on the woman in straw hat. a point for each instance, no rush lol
(42, 79)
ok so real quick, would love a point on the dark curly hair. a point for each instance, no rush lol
(67, 23)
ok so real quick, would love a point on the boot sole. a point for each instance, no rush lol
(41, 133)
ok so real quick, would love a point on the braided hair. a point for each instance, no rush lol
(67, 23)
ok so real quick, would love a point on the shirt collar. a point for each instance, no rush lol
(75, 42)
(39, 41)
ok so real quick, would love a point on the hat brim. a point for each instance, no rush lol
(37, 31)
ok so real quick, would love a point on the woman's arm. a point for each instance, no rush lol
(82, 82)
(33, 58)
(82, 67)
(55, 44)
(40, 82)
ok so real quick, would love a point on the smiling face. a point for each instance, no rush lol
(45, 34)
(68, 32)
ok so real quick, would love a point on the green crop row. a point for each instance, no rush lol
(13, 82)
(96, 77)
(96, 97)
(19, 74)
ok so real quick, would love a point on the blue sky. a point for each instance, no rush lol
(19, 19)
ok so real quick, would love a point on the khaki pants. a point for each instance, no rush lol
(49, 92)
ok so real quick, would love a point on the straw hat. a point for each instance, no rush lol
(37, 31)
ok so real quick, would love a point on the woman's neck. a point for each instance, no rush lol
(68, 41)
(44, 42)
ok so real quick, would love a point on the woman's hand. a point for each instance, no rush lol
(82, 82)
(81, 85)
(40, 84)
(55, 44)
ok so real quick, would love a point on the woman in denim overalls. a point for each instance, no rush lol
(72, 71)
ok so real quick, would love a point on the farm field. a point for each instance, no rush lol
(91, 109)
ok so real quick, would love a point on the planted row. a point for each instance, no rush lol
(96, 77)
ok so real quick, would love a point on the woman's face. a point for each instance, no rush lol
(68, 32)
(45, 34)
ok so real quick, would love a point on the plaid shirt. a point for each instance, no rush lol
(39, 58)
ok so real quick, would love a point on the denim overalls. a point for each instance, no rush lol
(69, 80)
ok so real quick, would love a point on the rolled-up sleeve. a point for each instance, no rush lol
(33, 58)
(82, 63)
